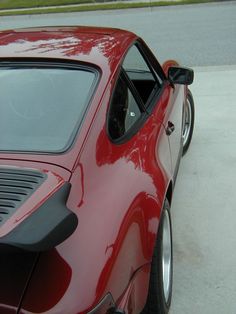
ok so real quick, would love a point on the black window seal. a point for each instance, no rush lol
(133, 90)
(155, 69)
(131, 132)
(137, 124)
(146, 110)
(146, 54)
(151, 59)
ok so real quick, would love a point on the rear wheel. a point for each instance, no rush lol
(188, 121)
(160, 285)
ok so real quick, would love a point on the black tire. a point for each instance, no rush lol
(157, 302)
(188, 121)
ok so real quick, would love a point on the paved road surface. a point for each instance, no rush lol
(204, 206)
(193, 34)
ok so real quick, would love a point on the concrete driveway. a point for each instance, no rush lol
(204, 206)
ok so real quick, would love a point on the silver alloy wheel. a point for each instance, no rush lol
(166, 255)
(187, 121)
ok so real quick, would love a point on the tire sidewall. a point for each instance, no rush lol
(156, 303)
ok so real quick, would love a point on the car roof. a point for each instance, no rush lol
(99, 46)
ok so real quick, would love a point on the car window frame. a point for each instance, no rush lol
(146, 111)
(155, 69)
(139, 122)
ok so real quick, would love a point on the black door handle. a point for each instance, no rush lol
(170, 128)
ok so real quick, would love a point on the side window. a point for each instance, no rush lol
(124, 110)
(143, 77)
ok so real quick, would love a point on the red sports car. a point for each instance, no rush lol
(92, 130)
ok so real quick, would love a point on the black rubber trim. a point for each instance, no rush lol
(138, 124)
(150, 59)
(133, 90)
(146, 110)
(45, 228)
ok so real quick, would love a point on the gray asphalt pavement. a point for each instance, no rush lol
(204, 206)
(195, 35)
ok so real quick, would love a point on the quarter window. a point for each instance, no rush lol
(124, 110)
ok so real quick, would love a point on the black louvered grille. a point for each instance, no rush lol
(16, 186)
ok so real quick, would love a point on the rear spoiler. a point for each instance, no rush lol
(49, 225)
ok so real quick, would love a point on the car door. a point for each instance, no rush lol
(173, 124)
(159, 97)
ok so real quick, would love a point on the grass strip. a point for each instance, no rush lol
(18, 4)
(105, 6)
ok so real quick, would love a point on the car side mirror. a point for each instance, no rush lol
(179, 75)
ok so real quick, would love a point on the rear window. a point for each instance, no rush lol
(42, 106)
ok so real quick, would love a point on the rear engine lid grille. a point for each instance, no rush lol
(16, 186)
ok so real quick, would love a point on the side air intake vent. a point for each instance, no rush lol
(16, 186)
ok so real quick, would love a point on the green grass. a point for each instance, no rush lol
(92, 7)
(17, 4)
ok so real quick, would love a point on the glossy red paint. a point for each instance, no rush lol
(117, 191)
(103, 48)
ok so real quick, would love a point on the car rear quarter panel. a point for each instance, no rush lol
(124, 187)
(117, 192)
